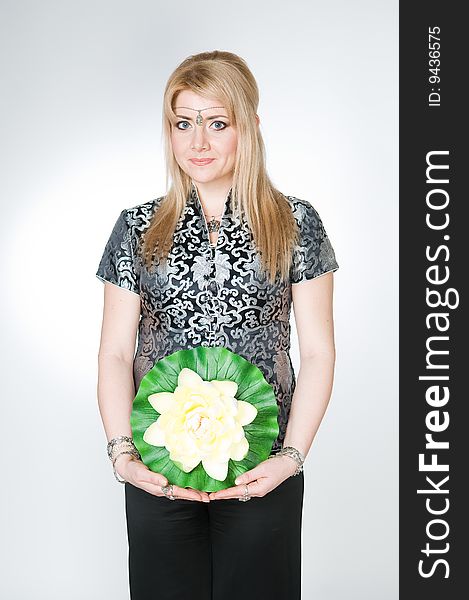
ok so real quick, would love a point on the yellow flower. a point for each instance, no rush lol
(201, 421)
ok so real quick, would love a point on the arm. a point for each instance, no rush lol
(313, 309)
(312, 304)
(115, 388)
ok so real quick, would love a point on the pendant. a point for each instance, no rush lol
(213, 225)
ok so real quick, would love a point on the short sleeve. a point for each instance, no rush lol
(117, 264)
(313, 255)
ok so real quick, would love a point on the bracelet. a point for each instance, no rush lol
(121, 445)
(293, 453)
(114, 445)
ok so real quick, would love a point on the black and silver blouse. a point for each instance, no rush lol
(216, 294)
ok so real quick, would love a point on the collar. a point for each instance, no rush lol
(194, 197)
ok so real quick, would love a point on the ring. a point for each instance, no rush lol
(246, 496)
(167, 488)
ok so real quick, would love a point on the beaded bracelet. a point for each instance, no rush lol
(116, 443)
(121, 445)
(295, 455)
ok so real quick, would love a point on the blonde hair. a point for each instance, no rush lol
(226, 77)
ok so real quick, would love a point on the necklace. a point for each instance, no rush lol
(213, 224)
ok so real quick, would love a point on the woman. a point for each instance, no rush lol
(217, 261)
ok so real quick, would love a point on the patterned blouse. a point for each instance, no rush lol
(216, 294)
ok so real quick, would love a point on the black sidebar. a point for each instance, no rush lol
(434, 356)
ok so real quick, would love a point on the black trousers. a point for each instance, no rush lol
(221, 550)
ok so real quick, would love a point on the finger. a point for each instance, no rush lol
(143, 474)
(156, 481)
(231, 492)
(181, 493)
(153, 483)
(255, 488)
(178, 492)
(249, 476)
(204, 495)
(188, 493)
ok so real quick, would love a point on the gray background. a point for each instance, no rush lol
(81, 130)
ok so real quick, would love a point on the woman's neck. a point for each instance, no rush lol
(213, 195)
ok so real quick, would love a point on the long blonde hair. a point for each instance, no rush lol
(226, 76)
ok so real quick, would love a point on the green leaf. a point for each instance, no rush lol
(210, 363)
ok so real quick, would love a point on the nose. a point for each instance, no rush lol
(199, 140)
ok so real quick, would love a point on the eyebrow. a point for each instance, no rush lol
(206, 118)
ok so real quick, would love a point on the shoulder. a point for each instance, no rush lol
(138, 217)
(303, 211)
(313, 253)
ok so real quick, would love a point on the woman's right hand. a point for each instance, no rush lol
(137, 473)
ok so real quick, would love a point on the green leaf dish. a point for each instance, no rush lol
(191, 433)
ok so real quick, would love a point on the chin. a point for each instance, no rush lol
(205, 177)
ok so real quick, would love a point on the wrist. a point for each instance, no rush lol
(290, 463)
(119, 465)
(123, 458)
(294, 454)
(117, 447)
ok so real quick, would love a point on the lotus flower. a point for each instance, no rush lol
(210, 410)
(201, 421)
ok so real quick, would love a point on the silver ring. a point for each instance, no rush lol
(246, 496)
(168, 488)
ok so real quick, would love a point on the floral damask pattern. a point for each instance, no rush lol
(216, 295)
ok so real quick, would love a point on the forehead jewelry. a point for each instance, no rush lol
(198, 119)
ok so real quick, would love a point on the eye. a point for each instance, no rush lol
(181, 123)
(216, 123)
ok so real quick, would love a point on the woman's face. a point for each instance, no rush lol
(194, 144)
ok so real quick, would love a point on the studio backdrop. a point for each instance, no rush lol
(82, 86)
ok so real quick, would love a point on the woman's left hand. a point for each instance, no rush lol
(265, 477)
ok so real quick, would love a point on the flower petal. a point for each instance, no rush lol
(217, 470)
(188, 377)
(161, 401)
(237, 434)
(226, 387)
(154, 435)
(189, 463)
(208, 391)
(246, 412)
(239, 450)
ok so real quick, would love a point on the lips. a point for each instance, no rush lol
(201, 161)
